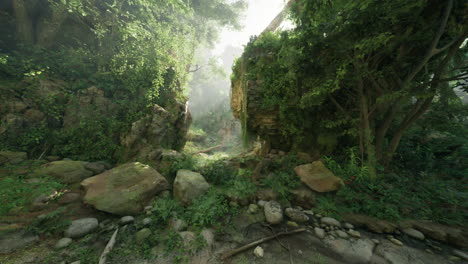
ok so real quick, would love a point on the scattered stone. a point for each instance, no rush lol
(124, 190)
(454, 258)
(68, 171)
(96, 167)
(309, 212)
(261, 203)
(450, 235)
(359, 251)
(319, 232)
(209, 237)
(292, 224)
(177, 224)
(376, 241)
(296, 215)
(127, 220)
(413, 233)
(148, 208)
(267, 195)
(142, 235)
(460, 254)
(317, 177)
(188, 186)
(395, 241)
(259, 252)
(68, 198)
(341, 234)
(330, 221)
(253, 208)
(81, 227)
(76, 262)
(16, 240)
(428, 250)
(373, 224)
(395, 254)
(303, 196)
(273, 212)
(63, 243)
(187, 238)
(147, 221)
(348, 226)
(354, 233)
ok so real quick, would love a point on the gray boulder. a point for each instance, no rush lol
(359, 251)
(188, 186)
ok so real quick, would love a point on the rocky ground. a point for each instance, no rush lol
(100, 200)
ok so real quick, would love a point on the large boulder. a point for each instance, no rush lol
(317, 177)
(161, 128)
(124, 190)
(68, 171)
(189, 185)
(9, 157)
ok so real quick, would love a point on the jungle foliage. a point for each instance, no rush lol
(139, 52)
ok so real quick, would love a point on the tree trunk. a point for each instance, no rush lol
(24, 25)
(48, 27)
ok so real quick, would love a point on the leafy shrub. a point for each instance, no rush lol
(241, 187)
(207, 209)
(164, 209)
(395, 196)
(218, 172)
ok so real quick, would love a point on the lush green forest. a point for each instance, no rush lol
(128, 136)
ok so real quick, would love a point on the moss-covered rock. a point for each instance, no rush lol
(67, 171)
(124, 190)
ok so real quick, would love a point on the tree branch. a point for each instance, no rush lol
(432, 47)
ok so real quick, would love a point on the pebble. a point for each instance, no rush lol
(309, 212)
(63, 243)
(253, 209)
(348, 225)
(319, 232)
(273, 212)
(454, 258)
(354, 233)
(413, 233)
(148, 208)
(330, 221)
(460, 254)
(261, 203)
(258, 252)
(396, 241)
(296, 215)
(292, 224)
(142, 235)
(81, 227)
(376, 241)
(147, 221)
(127, 220)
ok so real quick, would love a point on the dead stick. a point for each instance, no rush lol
(109, 246)
(210, 149)
(233, 252)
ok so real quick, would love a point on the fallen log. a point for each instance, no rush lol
(109, 246)
(230, 253)
(210, 149)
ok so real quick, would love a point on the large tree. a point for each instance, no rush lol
(363, 68)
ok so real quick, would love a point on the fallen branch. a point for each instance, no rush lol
(210, 149)
(109, 246)
(233, 252)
